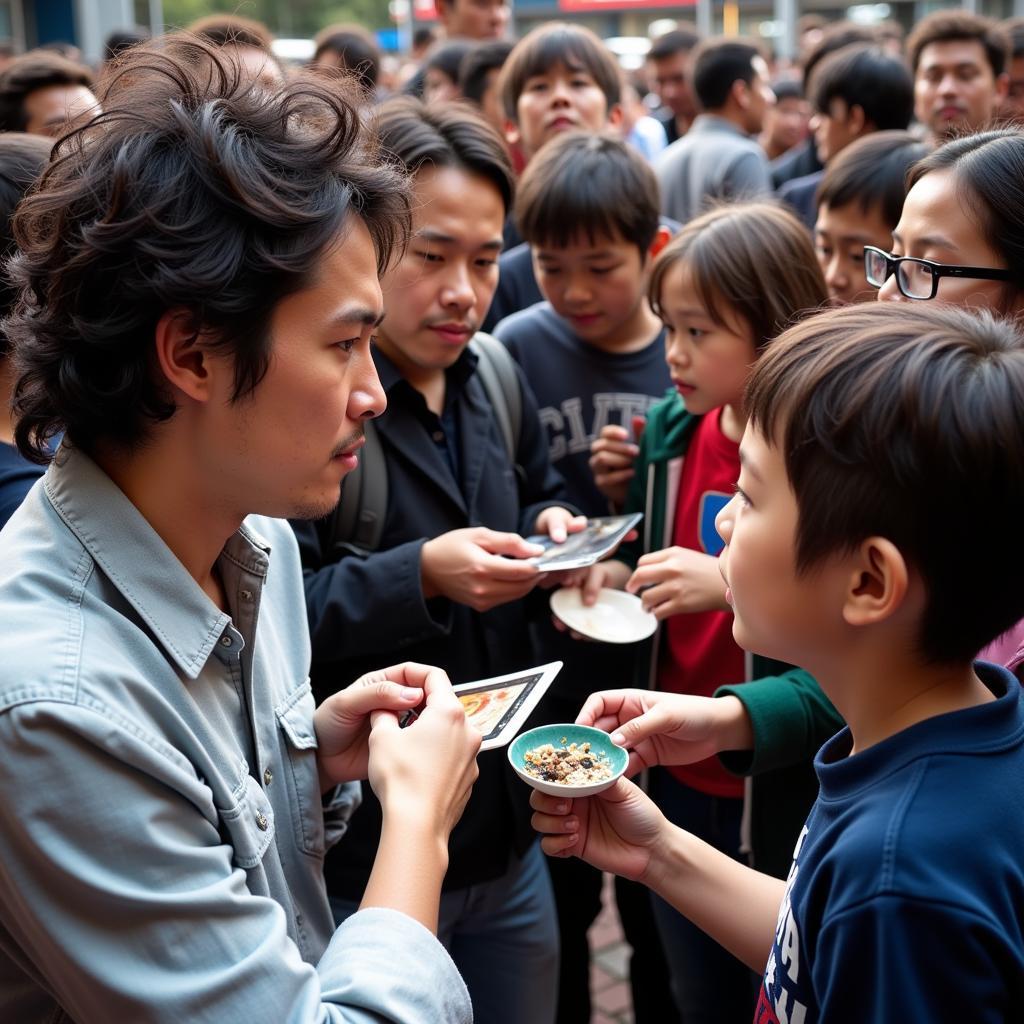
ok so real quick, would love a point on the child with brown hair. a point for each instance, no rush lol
(724, 288)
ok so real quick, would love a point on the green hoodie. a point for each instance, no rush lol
(791, 716)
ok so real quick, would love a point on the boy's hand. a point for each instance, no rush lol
(424, 774)
(619, 830)
(558, 523)
(612, 455)
(668, 728)
(466, 567)
(678, 580)
(342, 722)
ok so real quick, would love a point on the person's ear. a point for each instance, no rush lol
(878, 583)
(739, 92)
(857, 121)
(615, 115)
(512, 134)
(661, 238)
(183, 359)
(1002, 87)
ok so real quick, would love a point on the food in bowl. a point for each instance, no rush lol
(573, 765)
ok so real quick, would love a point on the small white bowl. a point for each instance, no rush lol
(616, 617)
(562, 736)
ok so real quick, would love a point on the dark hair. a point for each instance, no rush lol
(582, 183)
(869, 78)
(123, 39)
(356, 50)
(22, 159)
(195, 191)
(988, 168)
(904, 421)
(1014, 29)
(957, 26)
(34, 70)
(423, 36)
(478, 63)
(787, 89)
(447, 57)
(679, 40)
(233, 30)
(717, 64)
(835, 37)
(445, 135)
(872, 172)
(755, 258)
(554, 43)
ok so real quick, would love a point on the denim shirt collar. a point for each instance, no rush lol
(139, 564)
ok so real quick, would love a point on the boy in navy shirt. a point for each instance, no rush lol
(881, 443)
(593, 354)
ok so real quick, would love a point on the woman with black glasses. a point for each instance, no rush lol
(960, 238)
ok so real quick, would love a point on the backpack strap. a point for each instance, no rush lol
(498, 375)
(357, 522)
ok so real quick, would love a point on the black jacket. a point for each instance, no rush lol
(368, 611)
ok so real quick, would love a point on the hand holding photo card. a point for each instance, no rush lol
(600, 538)
(499, 706)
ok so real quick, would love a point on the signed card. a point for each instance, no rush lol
(600, 537)
(498, 707)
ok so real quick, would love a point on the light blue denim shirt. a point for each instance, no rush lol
(161, 827)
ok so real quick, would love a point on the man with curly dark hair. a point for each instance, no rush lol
(199, 286)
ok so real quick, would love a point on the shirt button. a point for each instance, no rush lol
(438, 436)
(246, 595)
(268, 777)
(261, 821)
(225, 641)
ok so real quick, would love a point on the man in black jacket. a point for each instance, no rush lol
(447, 583)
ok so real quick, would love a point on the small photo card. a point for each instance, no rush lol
(599, 538)
(498, 707)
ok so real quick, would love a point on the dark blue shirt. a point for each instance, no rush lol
(905, 901)
(17, 475)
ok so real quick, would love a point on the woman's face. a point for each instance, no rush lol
(936, 225)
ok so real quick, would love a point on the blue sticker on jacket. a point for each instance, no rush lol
(711, 503)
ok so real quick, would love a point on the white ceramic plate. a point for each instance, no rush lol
(616, 618)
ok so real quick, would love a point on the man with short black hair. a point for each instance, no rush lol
(43, 93)
(959, 64)
(446, 580)
(856, 91)
(718, 159)
(474, 19)
(1012, 107)
(669, 75)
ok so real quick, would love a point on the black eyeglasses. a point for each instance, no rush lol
(919, 279)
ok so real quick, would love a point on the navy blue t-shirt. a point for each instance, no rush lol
(579, 390)
(17, 475)
(905, 901)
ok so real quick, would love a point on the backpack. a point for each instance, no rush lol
(357, 522)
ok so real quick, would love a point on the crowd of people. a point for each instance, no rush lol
(298, 364)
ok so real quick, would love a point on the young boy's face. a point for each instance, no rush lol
(560, 99)
(439, 293)
(598, 286)
(840, 234)
(776, 613)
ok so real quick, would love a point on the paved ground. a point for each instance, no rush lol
(608, 975)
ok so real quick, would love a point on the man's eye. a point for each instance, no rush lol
(347, 346)
(429, 257)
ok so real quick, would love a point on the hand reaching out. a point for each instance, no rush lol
(612, 456)
(677, 580)
(668, 728)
